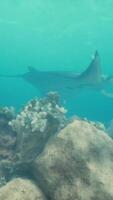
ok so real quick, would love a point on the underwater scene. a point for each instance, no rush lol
(56, 100)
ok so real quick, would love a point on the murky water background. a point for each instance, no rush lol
(56, 35)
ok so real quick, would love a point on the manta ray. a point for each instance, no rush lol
(65, 81)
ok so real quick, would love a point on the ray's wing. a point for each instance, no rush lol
(93, 73)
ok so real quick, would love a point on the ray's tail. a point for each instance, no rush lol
(11, 76)
(30, 69)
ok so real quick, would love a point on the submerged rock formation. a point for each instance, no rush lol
(77, 163)
(68, 160)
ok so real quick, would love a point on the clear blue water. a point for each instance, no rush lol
(56, 35)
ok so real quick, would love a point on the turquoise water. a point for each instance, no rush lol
(56, 35)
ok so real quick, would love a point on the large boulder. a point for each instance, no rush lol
(77, 164)
(21, 189)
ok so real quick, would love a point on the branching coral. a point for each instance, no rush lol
(38, 120)
(37, 113)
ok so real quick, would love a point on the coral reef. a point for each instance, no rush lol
(37, 113)
(23, 137)
(66, 159)
(38, 120)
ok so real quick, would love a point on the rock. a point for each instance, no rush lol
(21, 189)
(76, 164)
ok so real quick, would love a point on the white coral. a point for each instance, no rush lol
(34, 117)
